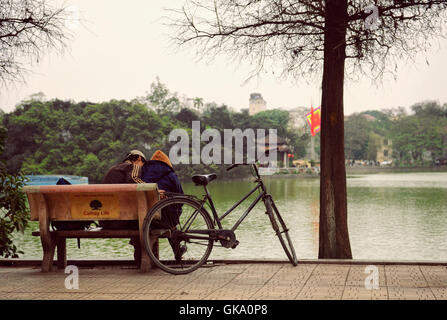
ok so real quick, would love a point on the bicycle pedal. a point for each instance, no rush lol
(234, 244)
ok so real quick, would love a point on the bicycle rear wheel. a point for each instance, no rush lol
(281, 230)
(183, 244)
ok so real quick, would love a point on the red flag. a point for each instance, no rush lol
(315, 121)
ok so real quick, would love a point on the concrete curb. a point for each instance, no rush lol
(117, 262)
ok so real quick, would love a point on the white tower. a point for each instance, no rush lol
(256, 104)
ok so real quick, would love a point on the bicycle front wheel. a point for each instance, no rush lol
(281, 230)
(178, 243)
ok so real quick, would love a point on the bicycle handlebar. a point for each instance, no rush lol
(239, 164)
(232, 166)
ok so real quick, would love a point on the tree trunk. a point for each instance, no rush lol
(334, 236)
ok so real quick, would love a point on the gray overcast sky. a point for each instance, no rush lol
(122, 47)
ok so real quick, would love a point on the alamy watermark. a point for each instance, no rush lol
(372, 280)
(73, 19)
(72, 280)
(372, 22)
(257, 147)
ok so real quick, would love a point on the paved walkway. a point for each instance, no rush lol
(251, 281)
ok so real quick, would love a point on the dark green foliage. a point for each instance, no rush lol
(13, 209)
(416, 139)
(421, 138)
(357, 129)
(86, 139)
(82, 139)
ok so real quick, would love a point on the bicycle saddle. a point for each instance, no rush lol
(203, 179)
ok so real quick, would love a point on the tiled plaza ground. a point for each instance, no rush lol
(251, 281)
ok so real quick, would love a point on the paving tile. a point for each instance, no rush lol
(407, 282)
(185, 297)
(440, 293)
(27, 296)
(402, 293)
(5, 295)
(436, 276)
(327, 280)
(250, 281)
(361, 293)
(361, 275)
(274, 296)
(63, 296)
(231, 282)
(104, 296)
(227, 296)
(238, 291)
(122, 287)
(403, 270)
(331, 269)
(9, 287)
(282, 292)
(147, 296)
(4, 270)
(239, 295)
(321, 293)
(405, 276)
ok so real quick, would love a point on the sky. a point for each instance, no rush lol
(121, 47)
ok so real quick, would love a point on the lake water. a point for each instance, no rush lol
(391, 216)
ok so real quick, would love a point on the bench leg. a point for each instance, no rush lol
(154, 244)
(61, 253)
(48, 256)
(146, 262)
(48, 244)
(137, 250)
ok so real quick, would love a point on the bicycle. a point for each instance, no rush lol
(186, 247)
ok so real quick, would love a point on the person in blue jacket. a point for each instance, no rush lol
(160, 170)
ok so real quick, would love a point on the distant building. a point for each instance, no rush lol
(256, 104)
(281, 146)
(384, 154)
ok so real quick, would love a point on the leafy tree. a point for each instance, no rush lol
(424, 132)
(61, 137)
(217, 117)
(89, 165)
(357, 131)
(382, 123)
(198, 103)
(429, 109)
(186, 116)
(14, 213)
(274, 119)
(161, 99)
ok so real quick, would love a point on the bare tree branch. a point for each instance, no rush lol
(27, 29)
(286, 31)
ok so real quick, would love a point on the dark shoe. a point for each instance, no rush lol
(180, 252)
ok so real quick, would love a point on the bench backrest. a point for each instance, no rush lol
(91, 201)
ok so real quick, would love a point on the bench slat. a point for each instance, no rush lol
(92, 234)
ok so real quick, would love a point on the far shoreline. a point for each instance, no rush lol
(374, 170)
(356, 171)
(350, 171)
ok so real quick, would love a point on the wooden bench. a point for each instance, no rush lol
(89, 202)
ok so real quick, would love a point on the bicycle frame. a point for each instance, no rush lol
(217, 220)
(207, 231)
